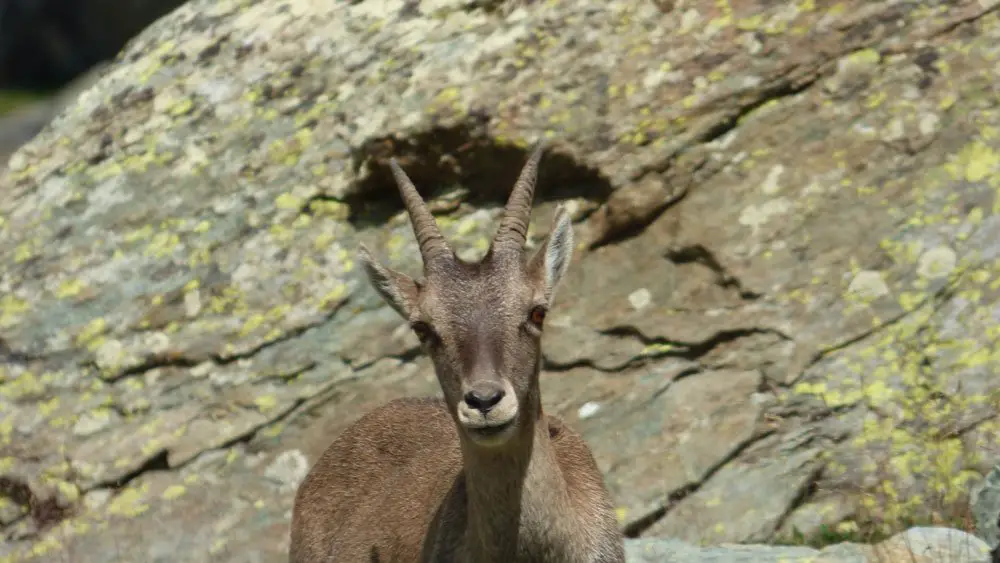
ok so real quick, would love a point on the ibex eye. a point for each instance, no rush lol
(422, 330)
(537, 316)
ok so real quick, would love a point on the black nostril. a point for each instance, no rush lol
(484, 399)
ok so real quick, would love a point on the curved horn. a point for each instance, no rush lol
(432, 244)
(513, 230)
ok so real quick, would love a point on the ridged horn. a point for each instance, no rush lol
(513, 229)
(432, 244)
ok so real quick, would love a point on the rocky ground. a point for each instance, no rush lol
(781, 318)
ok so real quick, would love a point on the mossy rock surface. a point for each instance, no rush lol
(782, 314)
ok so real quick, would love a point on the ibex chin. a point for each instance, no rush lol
(483, 476)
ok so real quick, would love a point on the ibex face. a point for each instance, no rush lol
(481, 323)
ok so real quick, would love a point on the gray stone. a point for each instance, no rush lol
(178, 249)
(916, 545)
(986, 508)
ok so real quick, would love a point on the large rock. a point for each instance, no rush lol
(781, 317)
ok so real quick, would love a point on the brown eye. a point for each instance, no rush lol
(423, 331)
(537, 316)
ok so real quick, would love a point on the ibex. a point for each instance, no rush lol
(483, 476)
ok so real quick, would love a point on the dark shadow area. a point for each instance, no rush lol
(157, 462)
(699, 254)
(44, 44)
(636, 528)
(443, 159)
(45, 512)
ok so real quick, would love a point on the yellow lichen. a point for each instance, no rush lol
(45, 408)
(11, 309)
(45, 545)
(181, 107)
(91, 331)
(23, 253)
(70, 288)
(253, 323)
(266, 402)
(130, 502)
(288, 201)
(163, 244)
(334, 296)
(174, 491)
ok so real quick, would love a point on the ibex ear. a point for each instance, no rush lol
(398, 290)
(551, 260)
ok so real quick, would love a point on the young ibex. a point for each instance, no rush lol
(483, 476)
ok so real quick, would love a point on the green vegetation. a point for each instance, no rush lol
(13, 99)
(870, 531)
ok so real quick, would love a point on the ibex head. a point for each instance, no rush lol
(481, 323)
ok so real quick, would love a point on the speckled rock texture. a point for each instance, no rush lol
(781, 317)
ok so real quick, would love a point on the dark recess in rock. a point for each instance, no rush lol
(461, 156)
(45, 512)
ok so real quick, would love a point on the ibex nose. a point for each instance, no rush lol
(483, 396)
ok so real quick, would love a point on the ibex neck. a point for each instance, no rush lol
(518, 506)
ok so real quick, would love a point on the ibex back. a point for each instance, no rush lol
(483, 476)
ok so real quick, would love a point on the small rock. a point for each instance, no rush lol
(754, 216)
(202, 369)
(110, 355)
(916, 545)
(588, 409)
(157, 342)
(937, 262)
(868, 284)
(772, 183)
(752, 44)
(986, 507)
(854, 73)
(17, 162)
(211, 461)
(689, 19)
(894, 131)
(931, 545)
(812, 517)
(929, 124)
(640, 298)
(96, 499)
(92, 422)
(659, 550)
(288, 469)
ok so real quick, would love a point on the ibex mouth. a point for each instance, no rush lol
(494, 430)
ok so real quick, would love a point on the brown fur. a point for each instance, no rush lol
(346, 513)
(455, 480)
